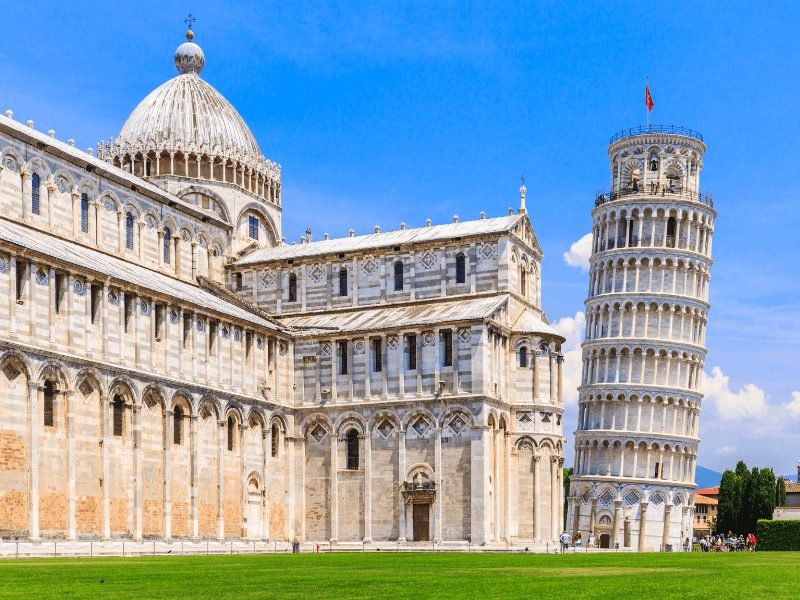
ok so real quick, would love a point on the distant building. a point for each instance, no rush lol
(705, 513)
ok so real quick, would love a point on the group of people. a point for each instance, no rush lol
(656, 187)
(565, 540)
(728, 543)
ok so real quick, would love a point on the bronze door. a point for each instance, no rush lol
(422, 522)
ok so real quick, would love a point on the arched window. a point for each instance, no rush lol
(523, 357)
(252, 227)
(653, 162)
(117, 408)
(129, 230)
(231, 427)
(275, 439)
(461, 268)
(523, 282)
(292, 287)
(35, 185)
(343, 281)
(84, 213)
(48, 404)
(352, 450)
(672, 225)
(177, 426)
(398, 276)
(167, 240)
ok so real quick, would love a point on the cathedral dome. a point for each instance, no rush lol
(187, 113)
(186, 128)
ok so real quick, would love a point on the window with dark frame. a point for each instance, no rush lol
(129, 230)
(447, 342)
(252, 227)
(275, 439)
(398, 276)
(231, 427)
(377, 355)
(35, 187)
(341, 351)
(95, 295)
(523, 357)
(177, 426)
(49, 401)
(22, 269)
(343, 281)
(61, 282)
(167, 240)
(352, 450)
(292, 287)
(84, 213)
(461, 268)
(239, 282)
(117, 410)
(411, 340)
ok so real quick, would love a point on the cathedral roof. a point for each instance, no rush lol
(383, 240)
(529, 322)
(187, 114)
(122, 271)
(429, 313)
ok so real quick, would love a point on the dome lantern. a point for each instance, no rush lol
(189, 57)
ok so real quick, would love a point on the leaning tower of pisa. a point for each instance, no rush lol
(639, 403)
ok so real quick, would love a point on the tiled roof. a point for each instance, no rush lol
(382, 240)
(399, 316)
(122, 271)
(710, 491)
(700, 499)
(793, 487)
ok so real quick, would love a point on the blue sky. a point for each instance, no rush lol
(389, 112)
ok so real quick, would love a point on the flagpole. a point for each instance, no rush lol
(647, 108)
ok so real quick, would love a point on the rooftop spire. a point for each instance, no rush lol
(189, 57)
(522, 192)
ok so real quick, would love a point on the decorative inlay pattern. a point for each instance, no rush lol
(428, 259)
(316, 274)
(369, 265)
(267, 277)
(325, 349)
(79, 287)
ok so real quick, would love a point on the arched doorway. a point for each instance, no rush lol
(254, 500)
(605, 540)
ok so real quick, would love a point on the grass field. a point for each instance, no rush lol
(440, 575)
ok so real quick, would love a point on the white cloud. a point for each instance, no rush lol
(579, 253)
(793, 406)
(748, 402)
(725, 451)
(571, 328)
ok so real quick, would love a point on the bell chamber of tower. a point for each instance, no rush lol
(646, 312)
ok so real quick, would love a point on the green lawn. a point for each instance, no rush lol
(441, 575)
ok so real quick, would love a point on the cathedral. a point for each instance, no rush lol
(172, 369)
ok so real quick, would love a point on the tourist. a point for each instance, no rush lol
(591, 542)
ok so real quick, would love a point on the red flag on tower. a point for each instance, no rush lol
(648, 99)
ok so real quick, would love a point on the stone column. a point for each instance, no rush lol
(437, 457)
(642, 526)
(368, 486)
(67, 400)
(221, 477)
(168, 441)
(244, 525)
(617, 523)
(137, 470)
(401, 471)
(265, 449)
(576, 516)
(593, 515)
(105, 404)
(194, 495)
(555, 509)
(537, 495)
(480, 451)
(51, 187)
(665, 534)
(34, 393)
(334, 487)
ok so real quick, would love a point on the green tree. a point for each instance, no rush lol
(780, 492)
(729, 502)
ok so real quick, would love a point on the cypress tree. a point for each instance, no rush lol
(780, 492)
(729, 502)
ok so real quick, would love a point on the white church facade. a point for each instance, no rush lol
(171, 369)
